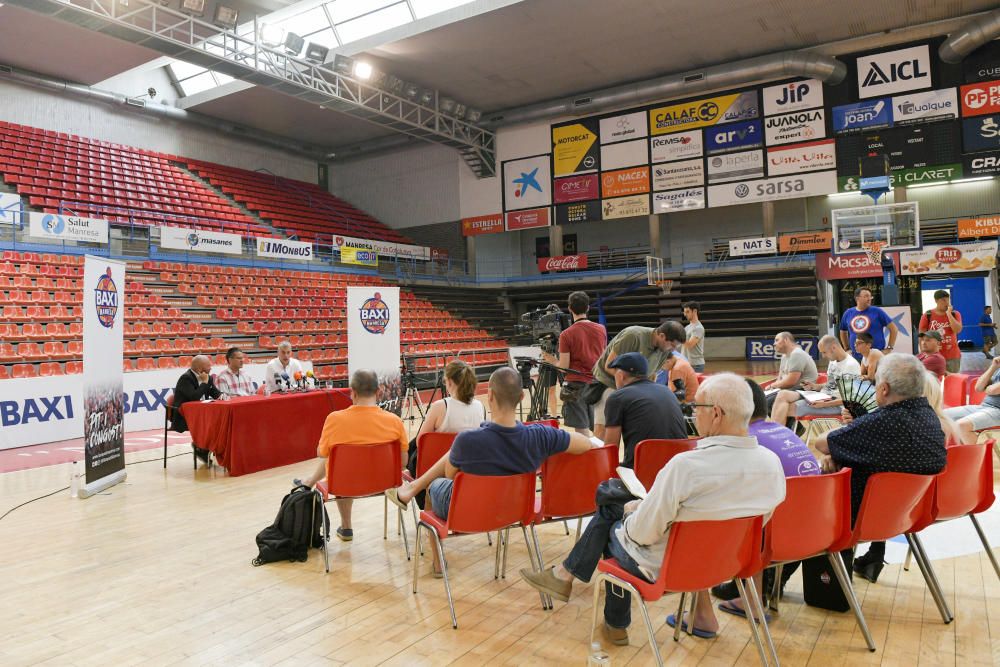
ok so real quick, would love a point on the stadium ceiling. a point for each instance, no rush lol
(491, 55)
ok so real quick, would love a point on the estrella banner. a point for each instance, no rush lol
(575, 149)
(373, 325)
(704, 112)
(103, 349)
(359, 256)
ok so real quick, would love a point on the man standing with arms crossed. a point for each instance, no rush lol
(654, 344)
(866, 318)
(580, 345)
(694, 346)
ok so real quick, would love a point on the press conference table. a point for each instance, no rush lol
(253, 433)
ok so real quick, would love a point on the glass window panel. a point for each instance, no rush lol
(345, 10)
(183, 70)
(307, 22)
(384, 19)
(324, 37)
(221, 78)
(198, 84)
(424, 8)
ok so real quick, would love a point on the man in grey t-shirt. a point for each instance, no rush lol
(796, 368)
(694, 346)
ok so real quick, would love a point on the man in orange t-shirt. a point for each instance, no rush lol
(364, 423)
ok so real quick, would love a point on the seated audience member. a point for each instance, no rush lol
(726, 476)
(654, 344)
(640, 409)
(283, 365)
(195, 384)
(930, 353)
(986, 415)
(789, 403)
(795, 368)
(458, 411)
(904, 435)
(797, 461)
(364, 423)
(677, 368)
(232, 381)
(500, 447)
(870, 357)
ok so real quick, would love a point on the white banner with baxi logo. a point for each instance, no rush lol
(182, 238)
(103, 349)
(373, 325)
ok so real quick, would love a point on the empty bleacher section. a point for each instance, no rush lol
(174, 311)
(104, 180)
(485, 307)
(755, 304)
(294, 207)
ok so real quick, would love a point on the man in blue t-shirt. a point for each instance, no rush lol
(866, 318)
(501, 447)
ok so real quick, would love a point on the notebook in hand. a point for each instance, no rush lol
(631, 482)
(812, 397)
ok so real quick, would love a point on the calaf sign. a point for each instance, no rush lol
(894, 71)
(767, 245)
(284, 249)
(762, 349)
(562, 263)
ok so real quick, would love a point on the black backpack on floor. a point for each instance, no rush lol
(297, 527)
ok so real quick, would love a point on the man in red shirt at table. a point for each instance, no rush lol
(930, 355)
(364, 423)
(948, 321)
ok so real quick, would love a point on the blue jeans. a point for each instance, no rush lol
(698, 368)
(439, 492)
(596, 541)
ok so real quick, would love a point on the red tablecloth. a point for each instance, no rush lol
(253, 433)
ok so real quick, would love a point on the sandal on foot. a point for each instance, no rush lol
(701, 634)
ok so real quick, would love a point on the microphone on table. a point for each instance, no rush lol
(277, 381)
(298, 379)
(287, 380)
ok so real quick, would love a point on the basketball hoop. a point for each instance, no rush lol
(874, 251)
(665, 285)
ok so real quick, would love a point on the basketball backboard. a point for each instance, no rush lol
(896, 225)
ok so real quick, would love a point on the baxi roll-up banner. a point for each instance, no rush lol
(103, 349)
(373, 340)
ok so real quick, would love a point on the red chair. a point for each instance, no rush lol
(965, 488)
(953, 390)
(23, 371)
(814, 520)
(481, 504)
(973, 397)
(894, 504)
(568, 483)
(699, 555)
(651, 455)
(360, 471)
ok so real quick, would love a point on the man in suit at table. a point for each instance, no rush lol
(194, 385)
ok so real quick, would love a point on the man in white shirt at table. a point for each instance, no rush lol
(233, 381)
(727, 475)
(281, 366)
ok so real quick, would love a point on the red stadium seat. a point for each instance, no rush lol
(24, 371)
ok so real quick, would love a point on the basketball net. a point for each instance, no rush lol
(874, 251)
(665, 284)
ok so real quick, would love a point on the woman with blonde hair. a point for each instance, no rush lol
(934, 396)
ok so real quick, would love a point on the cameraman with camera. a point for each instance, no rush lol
(580, 345)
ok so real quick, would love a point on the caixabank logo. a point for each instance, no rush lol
(106, 300)
(374, 314)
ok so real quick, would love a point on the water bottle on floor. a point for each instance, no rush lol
(598, 657)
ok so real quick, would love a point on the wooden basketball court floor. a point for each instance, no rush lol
(157, 571)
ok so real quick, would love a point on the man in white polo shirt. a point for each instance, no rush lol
(283, 365)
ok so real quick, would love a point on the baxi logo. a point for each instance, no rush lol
(106, 300)
(526, 181)
(375, 314)
(53, 224)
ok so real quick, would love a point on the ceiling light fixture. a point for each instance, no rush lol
(271, 35)
(343, 65)
(193, 7)
(317, 52)
(473, 115)
(363, 70)
(294, 44)
(226, 17)
(446, 105)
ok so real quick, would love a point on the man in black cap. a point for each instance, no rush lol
(930, 353)
(639, 409)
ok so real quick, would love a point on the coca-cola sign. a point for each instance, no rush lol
(562, 263)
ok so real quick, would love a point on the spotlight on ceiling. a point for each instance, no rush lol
(393, 84)
(193, 7)
(411, 91)
(473, 115)
(317, 52)
(363, 70)
(225, 17)
(426, 97)
(446, 105)
(459, 111)
(294, 44)
(271, 35)
(343, 65)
